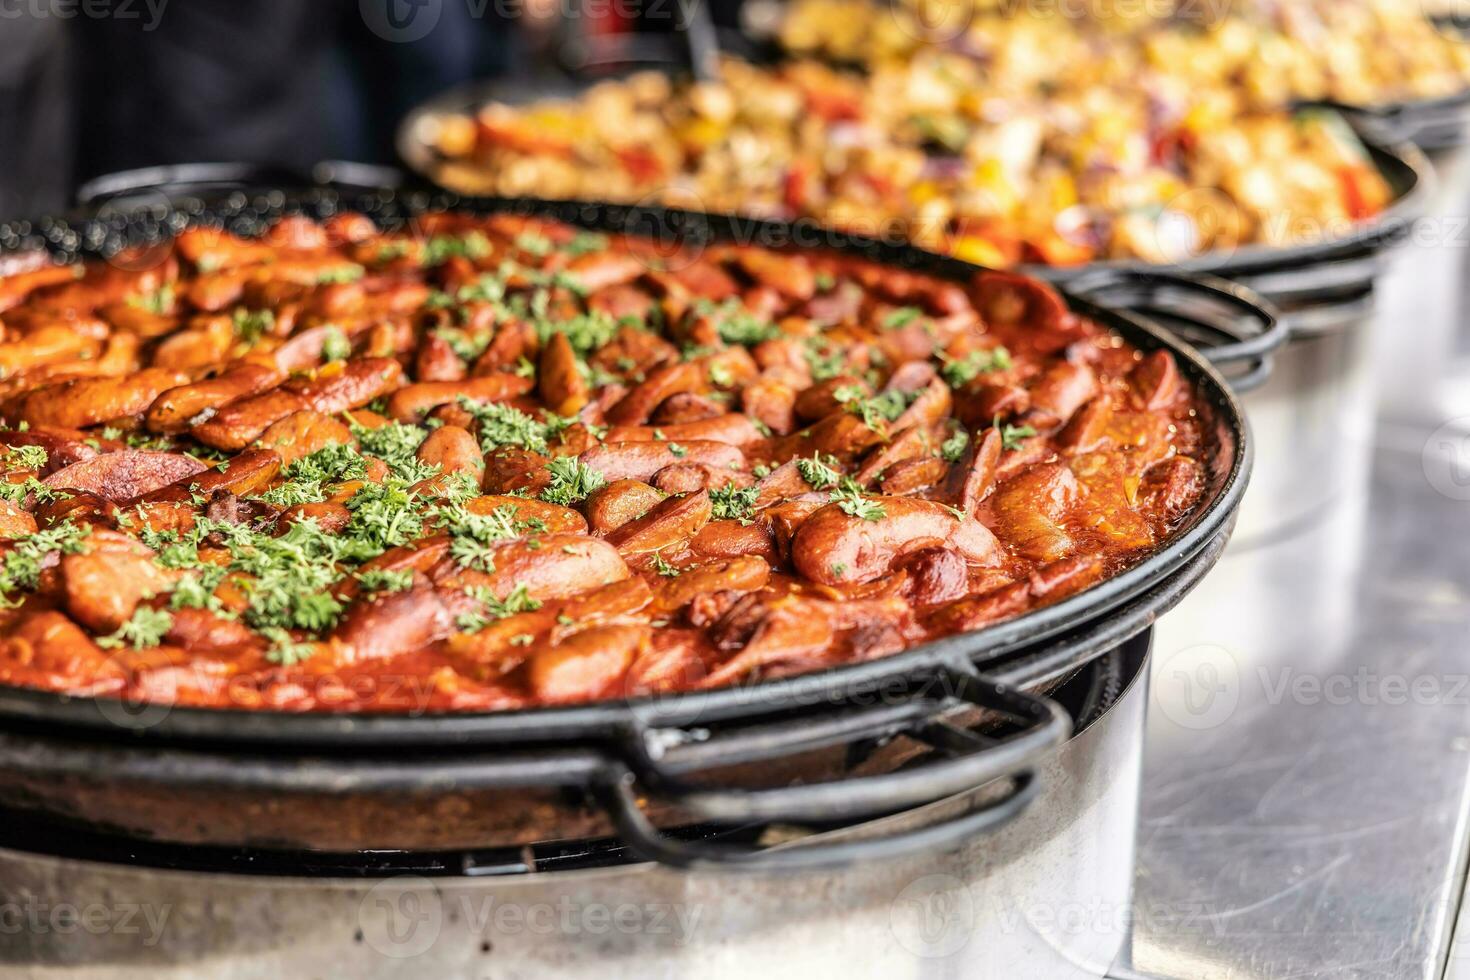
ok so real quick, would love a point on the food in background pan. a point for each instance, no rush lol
(1260, 54)
(926, 150)
(509, 462)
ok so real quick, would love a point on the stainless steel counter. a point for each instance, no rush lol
(1306, 789)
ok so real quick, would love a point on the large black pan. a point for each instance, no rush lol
(465, 779)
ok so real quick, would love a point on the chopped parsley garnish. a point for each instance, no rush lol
(158, 302)
(350, 272)
(442, 248)
(142, 440)
(294, 493)
(736, 324)
(467, 347)
(305, 478)
(196, 590)
(251, 325)
(26, 457)
(958, 373)
(395, 444)
(336, 463)
(817, 472)
(732, 503)
(664, 568)
(1011, 435)
(336, 346)
(504, 425)
(172, 551)
(473, 536)
(571, 481)
(876, 411)
(488, 287)
(533, 244)
(850, 498)
(901, 317)
(145, 629)
(586, 331)
(954, 447)
(826, 362)
(518, 601)
(289, 574)
(21, 568)
(383, 516)
(386, 580)
(285, 650)
(584, 242)
(390, 251)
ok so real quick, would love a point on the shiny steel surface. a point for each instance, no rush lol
(1046, 896)
(1312, 422)
(1307, 766)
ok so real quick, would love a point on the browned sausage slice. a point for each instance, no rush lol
(835, 548)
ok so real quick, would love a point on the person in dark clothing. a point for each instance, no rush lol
(210, 80)
(35, 137)
(273, 81)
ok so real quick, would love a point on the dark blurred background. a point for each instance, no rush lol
(92, 86)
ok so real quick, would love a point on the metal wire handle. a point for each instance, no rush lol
(193, 177)
(972, 761)
(1228, 323)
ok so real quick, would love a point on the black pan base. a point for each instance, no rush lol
(1086, 696)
